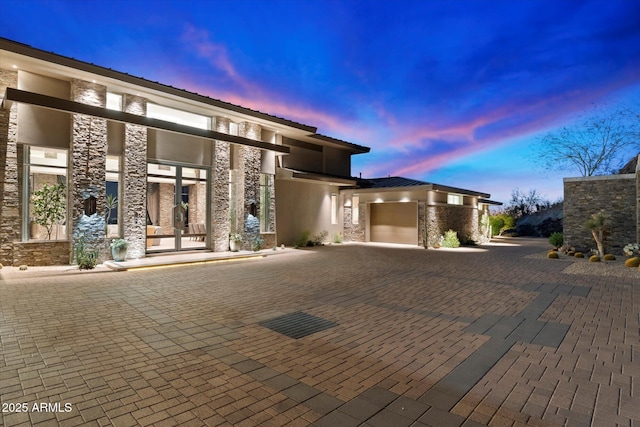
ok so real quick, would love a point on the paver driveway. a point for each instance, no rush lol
(378, 336)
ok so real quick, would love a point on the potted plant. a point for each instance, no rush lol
(119, 249)
(234, 242)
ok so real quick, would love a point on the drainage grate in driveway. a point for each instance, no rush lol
(297, 325)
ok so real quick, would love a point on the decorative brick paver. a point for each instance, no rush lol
(481, 336)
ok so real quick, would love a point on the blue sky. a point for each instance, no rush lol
(452, 92)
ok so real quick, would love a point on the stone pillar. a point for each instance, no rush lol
(134, 171)
(422, 224)
(638, 200)
(10, 222)
(250, 170)
(220, 225)
(88, 167)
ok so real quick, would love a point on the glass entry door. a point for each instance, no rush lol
(177, 201)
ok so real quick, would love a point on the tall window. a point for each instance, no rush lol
(266, 184)
(45, 177)
(112, 201)
(355, 209)
(454, 199)
(334, 209)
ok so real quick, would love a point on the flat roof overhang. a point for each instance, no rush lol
(315, 177)
(65, 105)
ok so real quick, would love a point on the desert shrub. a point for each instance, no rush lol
(553, 255)
(302, 239)
(23, 267)
(571, 253)
(609, 257)
(594, 258)
(257, 243)
(556, 239)
(319, 239)
(501, 222)
(337, 238)
(578, 255)
(632, 262)
(85, 258)
(450, 239)
(467, 241)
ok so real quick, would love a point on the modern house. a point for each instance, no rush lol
(170, 170)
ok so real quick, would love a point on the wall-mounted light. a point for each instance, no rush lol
(90, 206)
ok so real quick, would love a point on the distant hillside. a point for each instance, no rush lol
(541, 223)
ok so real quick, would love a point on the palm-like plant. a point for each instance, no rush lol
(598, 224)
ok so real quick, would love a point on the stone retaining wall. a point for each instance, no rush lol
(616, 195)
(41, 253)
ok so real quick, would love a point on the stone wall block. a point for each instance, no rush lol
(134, 169)
(250, 169)
(88, 167)
(10, 221)
(616, 195)
(220, 225)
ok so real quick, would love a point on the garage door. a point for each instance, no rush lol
(394, 223)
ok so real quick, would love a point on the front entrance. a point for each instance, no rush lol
(177, 208)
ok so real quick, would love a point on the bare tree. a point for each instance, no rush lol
(595, 144)
(522, 203)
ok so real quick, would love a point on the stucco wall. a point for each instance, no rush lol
(616, 195)
(304, 206)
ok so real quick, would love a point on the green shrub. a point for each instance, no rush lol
(556, 239)
(320, 238)
(594, 258)
(256, 243)
(450, 239)
(501, 222)
(632, 262)
(337, 238)
(578, 255)
(85, 258)
(303, 239)
(553, 255)
(609, 257)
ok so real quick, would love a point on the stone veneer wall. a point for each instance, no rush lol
(617, 195)
(41, 253)
(220, 225)
(354, 232)
(10, 223)
(422, 224)
(463, 219)
(134, 171)
(167, 200)
(87, 168)
(250, 168)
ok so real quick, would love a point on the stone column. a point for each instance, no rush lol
(250, 170)
(88, 167)
(10, 222)
(134, 171)
(638, 200)
(422, 224)
(220, 225)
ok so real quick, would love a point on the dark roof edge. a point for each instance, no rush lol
(27, 50)
(358, 149)
(460, 190)
(490, 202)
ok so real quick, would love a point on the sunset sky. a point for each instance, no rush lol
(451, 92)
